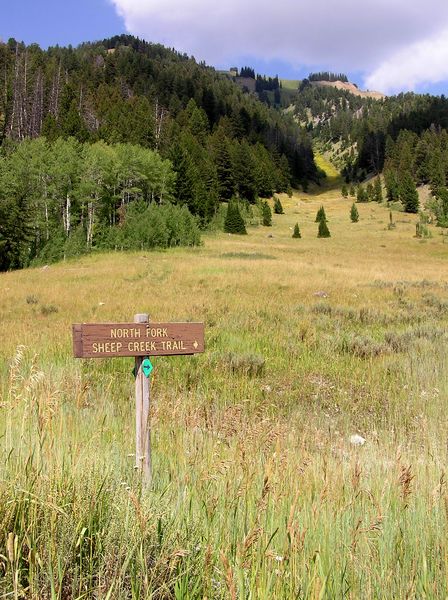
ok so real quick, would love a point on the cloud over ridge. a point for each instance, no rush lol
(423, 62)
(372, 36)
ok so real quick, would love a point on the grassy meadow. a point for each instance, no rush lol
(257, 492)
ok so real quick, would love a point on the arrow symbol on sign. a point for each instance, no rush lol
(147, 367)
(195, 344)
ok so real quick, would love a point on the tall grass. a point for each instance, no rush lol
(257, 492)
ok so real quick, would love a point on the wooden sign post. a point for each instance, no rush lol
(139, 339)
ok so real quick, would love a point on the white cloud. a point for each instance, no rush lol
(351, 35)
(420, 63)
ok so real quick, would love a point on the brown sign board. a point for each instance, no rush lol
(106, 340)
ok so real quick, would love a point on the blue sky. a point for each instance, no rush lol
(390, 45)
(63, 22)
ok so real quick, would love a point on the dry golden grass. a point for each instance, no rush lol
(257, 492)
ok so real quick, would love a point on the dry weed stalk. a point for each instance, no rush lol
(356, 476)
(355, 536)
(249, 541)
(263, 501)
(230, 581)
(376, 525)
(138, 511)
(406, 478)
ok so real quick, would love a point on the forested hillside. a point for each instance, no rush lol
(404, 137)
(87, 133)
(361, 126)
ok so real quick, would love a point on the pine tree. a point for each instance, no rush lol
(296, 232)
(344, 191)
(278, 208)
(323, 231)
(234, 222)
(320, 215)
(392, 187)
(354, 214)
(244, 169)
(224, 170)
(266, 214)
(408, 193)
(352, 191)
(378, 191)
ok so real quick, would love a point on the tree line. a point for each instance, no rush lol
(127, 90)
(327, 76)
(64, 198)
(203, 137)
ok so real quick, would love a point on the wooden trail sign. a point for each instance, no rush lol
(105, 340)
(141, 339)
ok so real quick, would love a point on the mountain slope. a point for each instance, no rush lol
(349, 87)
(204, 141)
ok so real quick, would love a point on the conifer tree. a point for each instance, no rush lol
(354, 214)
(244, 169)
(352, 191)
(378, 191)
(266, 214)
(234, 222)
(223, 161)
(323, 231)
(296, 232)
(278, 208)
(320, 215)
(344, 191)
(408, 193)
(392, 187)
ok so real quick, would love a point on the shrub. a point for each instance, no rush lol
(48, 309)
(147, 227)
(144, 228)
(362, 346)
(422, 231)
(251, 365)
(361, 195)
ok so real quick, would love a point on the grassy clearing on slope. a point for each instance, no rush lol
(257, 491)
(290, 84)
(333, 180)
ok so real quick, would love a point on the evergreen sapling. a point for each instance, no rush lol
(320, 215)
(323, 231)
(266, 214)
(354, 214)
(234, 222)
(296, 232)
(278, 208)
(378, 191)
